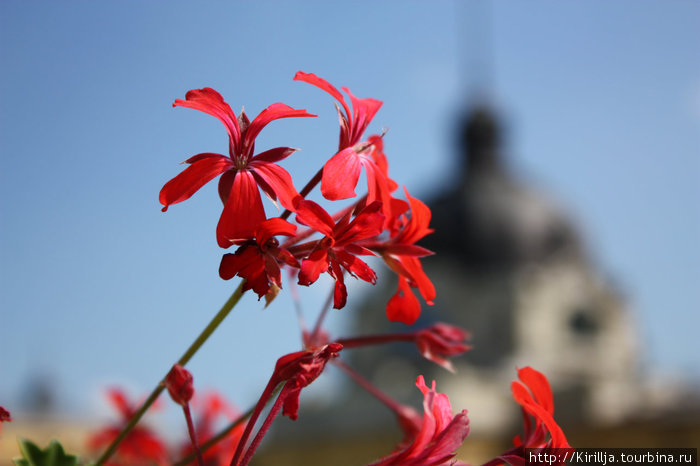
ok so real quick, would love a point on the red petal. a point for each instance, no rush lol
(203, 168)
(357, 267)
(417, 227)
(340, 175)
(403, 306)
(324, 85)
(118, 399)
(243, 211)
(420, 279)
(278, 181)
(340, 292)
(406, 250)
(313, 215)
(273, 227)
(521, 395)
(209, 101)
(367, 224)
(363, 110)
(313, 266)
(232, 264)
(273, 112)
(539, 386)
(275, 155)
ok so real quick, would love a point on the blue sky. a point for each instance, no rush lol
(98, 286)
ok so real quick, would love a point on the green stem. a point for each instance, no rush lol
(206, 333)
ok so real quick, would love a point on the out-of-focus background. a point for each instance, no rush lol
(557, 144)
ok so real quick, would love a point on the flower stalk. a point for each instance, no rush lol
(184, 359)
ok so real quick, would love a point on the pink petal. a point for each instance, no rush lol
(203, 168)
(340, 175)
(209, 101)
(243, 211)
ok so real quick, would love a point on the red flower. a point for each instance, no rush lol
(242, 173)
(338, 248)
(180, 385)
(257, 261)
(437, 342)
(535, 397)
(440, 433)
(342, 171)
(401, 255)
(139, 447)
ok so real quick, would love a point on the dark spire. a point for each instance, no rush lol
(480, 142)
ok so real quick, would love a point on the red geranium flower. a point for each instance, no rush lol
(140, 447)
(342, 171)
(257, 260)
(401, 254)
(440, 341)
(534, 395)
(338, 248)
(242, 173)
(439, 436)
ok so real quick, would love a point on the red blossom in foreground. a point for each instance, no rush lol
(402, 255)
(140, 447)
(342, 172)
(534, 395)
(242, 173)
(339, 248)
(295, 371)
(439, 436)
(258, 260)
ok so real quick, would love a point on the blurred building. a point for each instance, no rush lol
(511, 267)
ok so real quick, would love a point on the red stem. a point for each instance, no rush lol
(274, 411)
(322, 316)
(269, 389)
(367, 385)
(193, 433)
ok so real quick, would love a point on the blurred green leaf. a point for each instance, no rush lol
(53, 455)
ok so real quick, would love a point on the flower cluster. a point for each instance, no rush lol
(377, 224)
(313, 242)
